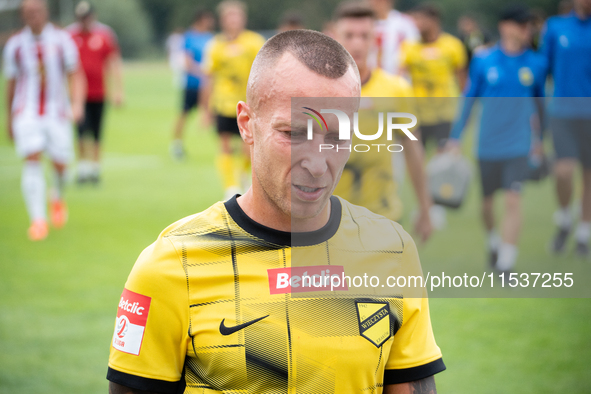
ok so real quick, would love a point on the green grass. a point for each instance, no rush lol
(58, 298)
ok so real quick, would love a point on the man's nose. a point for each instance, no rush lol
(315, 161)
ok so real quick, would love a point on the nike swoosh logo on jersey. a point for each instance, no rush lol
(224, 330)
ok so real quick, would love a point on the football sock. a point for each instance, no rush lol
(507, 256)
(83, 168)
(33, 189)
(95, 168)
(583, 232)
(59, 181)
(563, 218)
(493, 240)
(227, 170)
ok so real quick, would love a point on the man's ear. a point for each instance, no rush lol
(243, 117)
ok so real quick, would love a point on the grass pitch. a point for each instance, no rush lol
(58, 298)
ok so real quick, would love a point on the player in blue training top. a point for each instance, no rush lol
(566, 43)
(505, 77)
(196, 39)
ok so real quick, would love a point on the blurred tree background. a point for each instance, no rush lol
(143, 25)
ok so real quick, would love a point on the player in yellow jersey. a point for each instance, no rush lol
(368, 179)
(219, 303)
(227, 62)
(436, 65)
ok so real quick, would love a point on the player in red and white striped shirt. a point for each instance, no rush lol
(40, 62)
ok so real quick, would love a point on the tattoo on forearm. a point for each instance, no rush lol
(423, 386)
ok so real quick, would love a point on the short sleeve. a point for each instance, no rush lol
(547, 44)
(70, 53)
(411, 32)
(210, 62)
(405, 53)
(414, 354)
(148, 351)
(9, 58)
(113, 42)
(475, 78)
(403, 88)
(459, 56)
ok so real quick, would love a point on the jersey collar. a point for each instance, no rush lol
(285, 238)
(46, 30)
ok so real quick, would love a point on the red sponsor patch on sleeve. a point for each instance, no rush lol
(132, 316)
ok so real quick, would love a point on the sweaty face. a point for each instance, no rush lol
(291, 171)
(357, 36)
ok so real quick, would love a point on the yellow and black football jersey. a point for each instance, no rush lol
(368, 177)
(229, 63)
(432, 68)
(216, 305)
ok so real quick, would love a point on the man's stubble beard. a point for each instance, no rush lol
(269, 190)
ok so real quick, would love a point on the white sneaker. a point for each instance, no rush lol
(177, 151)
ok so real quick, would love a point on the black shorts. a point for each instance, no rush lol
(438, 132)
(190, 99)
(508, 174)
(91, 125)
(572, 139)
(227, 125)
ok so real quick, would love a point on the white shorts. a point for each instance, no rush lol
(33, 134)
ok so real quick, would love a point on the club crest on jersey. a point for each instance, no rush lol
(526, 77)
(374, 321)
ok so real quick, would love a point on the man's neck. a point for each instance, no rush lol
(511, 47)
(383, 14)
(431, 36)
(258, 207)
(364, 73)
(38, 30)
(582, 14)
(86, 27)
(232, 35)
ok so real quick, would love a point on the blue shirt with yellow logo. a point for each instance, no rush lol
(566, 44)
(505, 83)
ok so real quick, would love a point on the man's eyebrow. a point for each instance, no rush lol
(281, 123)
